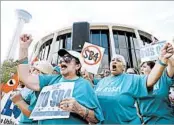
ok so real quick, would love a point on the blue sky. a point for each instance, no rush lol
(156, 17)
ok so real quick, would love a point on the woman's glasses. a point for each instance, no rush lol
(66, 59)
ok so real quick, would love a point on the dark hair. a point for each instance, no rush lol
(78, 62)
(151, 64)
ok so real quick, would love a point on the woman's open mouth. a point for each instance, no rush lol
(63, 66)
(114, 67)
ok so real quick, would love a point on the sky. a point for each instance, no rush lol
(155, 17)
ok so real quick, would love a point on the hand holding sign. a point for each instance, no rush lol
(15, 96)
(151, 53)
(70, 105)
(49, 99)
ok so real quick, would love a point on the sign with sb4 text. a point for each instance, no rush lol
(151, 52)
(92, 56)
(49, 99)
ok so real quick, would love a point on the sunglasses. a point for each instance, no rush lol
(66, 59)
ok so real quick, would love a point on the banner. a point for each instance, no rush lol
(151, 52)
(9, 112)
(49, 99)
(92, 56)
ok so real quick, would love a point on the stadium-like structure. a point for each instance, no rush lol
(115, 38)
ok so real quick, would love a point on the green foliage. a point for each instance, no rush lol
(7, 69)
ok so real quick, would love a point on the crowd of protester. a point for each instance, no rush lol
(120, 96)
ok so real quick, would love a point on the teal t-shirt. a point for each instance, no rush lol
(155, 107)
(117, 95)
(96, 80)
(83, 93)
(30, 99)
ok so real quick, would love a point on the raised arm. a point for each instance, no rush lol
(166, 52)
(25, 41)
(31, 81)
(170, 67)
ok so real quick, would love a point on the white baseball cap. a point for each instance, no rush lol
(44, 66)
(75, 54)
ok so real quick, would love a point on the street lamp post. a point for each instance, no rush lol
(23, 17)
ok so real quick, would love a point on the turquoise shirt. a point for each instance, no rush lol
(96, 81)
(117, 95)
(155, 107)
(30, 99)
(83, 93)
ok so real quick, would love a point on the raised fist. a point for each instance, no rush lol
(167, 51)
(25, 41)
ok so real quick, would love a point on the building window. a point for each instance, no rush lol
(138, 56)
(145, 40)
(125, 45)
(134, 58)
(95, 37)
(101, 38)
(45, 50)
(116, 39)
(68, 43)
(122, 40)
(125, 53)
(105, 41)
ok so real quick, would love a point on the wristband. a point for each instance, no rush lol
(86, 113)
(161, 63)
(23, 61)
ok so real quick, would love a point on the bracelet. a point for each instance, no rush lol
(161, 63)
(86, 113)
(23, 61)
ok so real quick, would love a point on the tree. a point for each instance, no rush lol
(8, 68)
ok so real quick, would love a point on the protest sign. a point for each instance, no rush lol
(151, 52)
(49, 99)
(9, 112)
(92, 56)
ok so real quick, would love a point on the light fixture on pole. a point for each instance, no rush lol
(23, 17)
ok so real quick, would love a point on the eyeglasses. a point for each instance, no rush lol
(66, 59)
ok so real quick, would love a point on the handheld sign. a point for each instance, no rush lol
(49, 99)
(9, 112)
(92, 56)
(151, 53)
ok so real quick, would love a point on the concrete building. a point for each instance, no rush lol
(115, 38)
